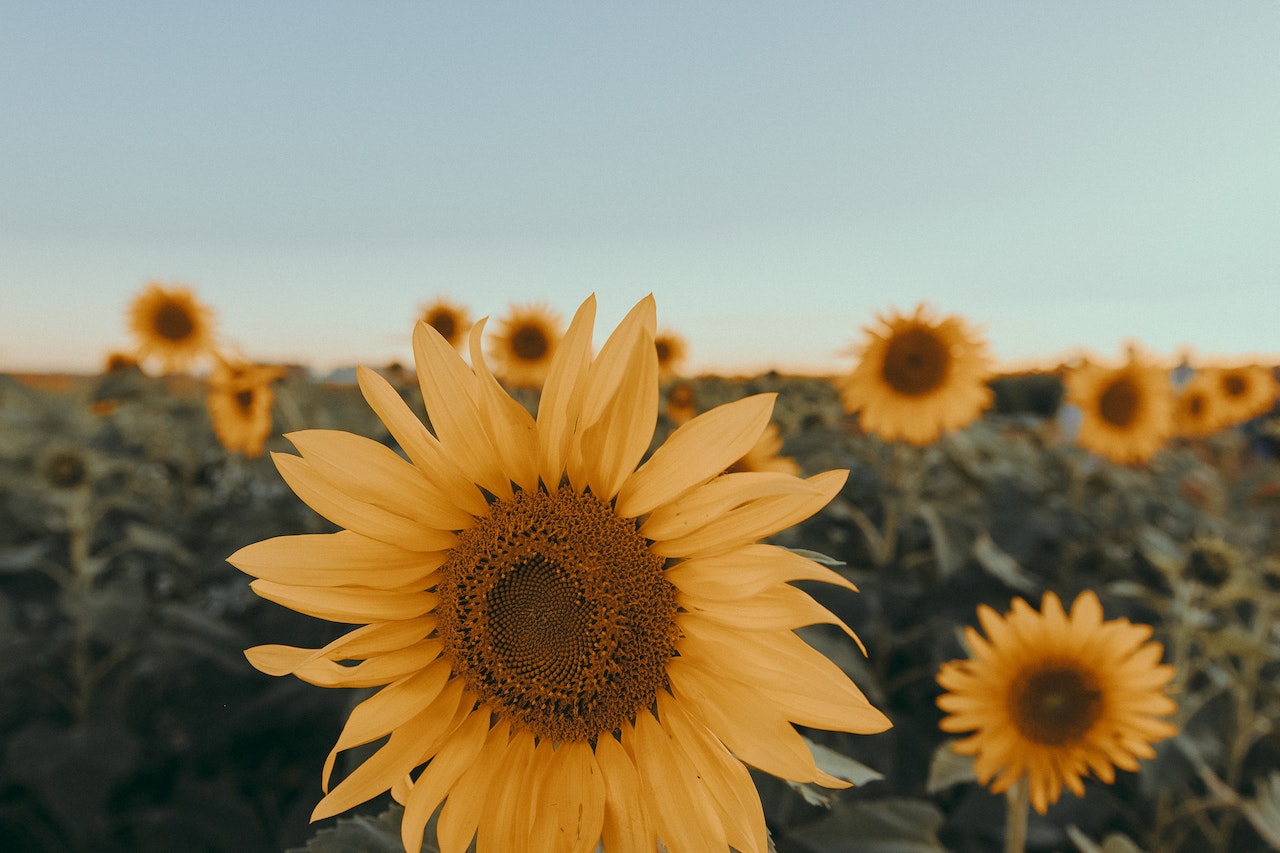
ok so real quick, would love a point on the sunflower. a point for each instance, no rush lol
(578, 649)
(1127, 411)
(918, 377)
(763, 455)
(682, 402)
(1245, 392)
(169, 323)
(239, 403)
(525, 344)
(672, 349)
(448, 318)
(1050, 696)
(1197, 408)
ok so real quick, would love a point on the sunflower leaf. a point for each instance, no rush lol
(1000, 565)
(883, 826)
(816, 557)
(1113, 843)
(1263, 809)
(949, 768)
(841, 766)
(361, 834)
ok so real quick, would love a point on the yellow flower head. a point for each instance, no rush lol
(1051, 696)
(572, 647)
(918, 377)
(1244, 392)
(170, 324)
(448, 318)
(682, 402)
(239, 403)
(1126, 412)
(524, 345)
(1197, 408)
(673, 349)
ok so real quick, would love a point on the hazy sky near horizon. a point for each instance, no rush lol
(1065, 175)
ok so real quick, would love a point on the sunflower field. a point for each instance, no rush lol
(1038, 613)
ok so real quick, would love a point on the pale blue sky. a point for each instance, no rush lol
(1064, 174)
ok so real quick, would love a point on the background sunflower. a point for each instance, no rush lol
(171, 325)
(1126, 412)
(524, 343)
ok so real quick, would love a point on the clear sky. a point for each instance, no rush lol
(1064, 174)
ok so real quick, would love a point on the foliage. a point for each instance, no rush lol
(130, 720)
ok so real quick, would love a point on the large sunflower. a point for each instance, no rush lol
(239, 403)
(172, 325)
(578, 649)
(1244, 392)
(524, 345)
(918, 377)
(448, 318)
(1051, 697)
(1126, 412)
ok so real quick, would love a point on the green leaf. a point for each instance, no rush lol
(879, 826)
(1263, 809)
(361, 834)
(949, 768)
(1114, 843)
(816, 556)
(1000, 565)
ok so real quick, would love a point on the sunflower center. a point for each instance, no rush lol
(664, 351)
(173, 322)
(1055, 706)
(444, 323)
(1195, 405)
(1233, 385)
(244, 400)
(915, 362)
(529, 343)
(1119, 403)
(555, 613)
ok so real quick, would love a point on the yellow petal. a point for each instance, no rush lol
(747, 571)
(724, 778)
(681, 810)
(347, 604)
(561, 401)
(476, 789)
(418, 444)
(444, 769)
(511, 427)
(777, 607)
(746, 722)
(388, 709)
(408, 746)
(375, 474)
(365, 519)
(336, 559)
(507, 820)
(626, 827)
(373, 672)
(699, 450)
(571, 810)
(755, 519)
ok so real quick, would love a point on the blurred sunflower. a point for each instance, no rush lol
(918, 377)
(672, 349)
(170, 324)
(578, 649)
(239, 403)
(1245, 392)
(763, 455)
(1197, 408)
(682, 402)
(524, 345)
(1050, 697)
(1126, 412)
(448, 318)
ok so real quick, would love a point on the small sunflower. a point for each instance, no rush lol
(763, 455)
(524, 345)
(1126, 412)
(448, 318)
(1050, 697)
(918, 377)
(1245, 392)
(579, 650)
(672, 349)
(682, 402)
(172, 325)
(239, 403)
(1197, 408)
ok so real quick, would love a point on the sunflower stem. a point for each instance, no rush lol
(1015, 827)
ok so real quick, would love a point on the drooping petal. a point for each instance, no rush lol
(626, 827)
(373, 473)
(683, 814)
(335, 559)
(694, 453)
(363, 518)
(570, 819)
(746, 571)
(476, 789)
(439, 776)
(347, 604)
